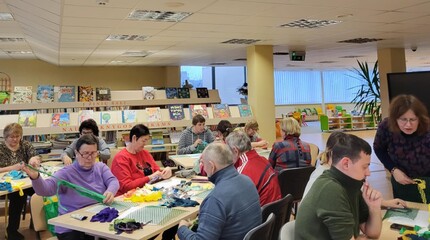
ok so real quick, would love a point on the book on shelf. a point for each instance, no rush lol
(171, 93)
(176, 112)
(202, 92)
(106, 118)
(4, 97)
(175, 136)
(157, 139)
(154, 114)
(27, 118)
(85, 115)
(148, 93)
(245, 110)
(183, 93)
(45, 93)
(129, 116)
(199, 109)
(85, 93)
(221, 110)
(22, 94)
(103, 94)
(60, 119)
(66, 94)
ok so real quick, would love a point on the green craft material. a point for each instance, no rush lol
(410, 213)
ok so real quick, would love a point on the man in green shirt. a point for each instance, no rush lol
(341, 203)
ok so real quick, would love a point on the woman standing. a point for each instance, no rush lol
(13, 151)
(402, 144)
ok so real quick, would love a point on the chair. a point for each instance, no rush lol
(287, 231)
(282, 210)
(314, 153)
(262, 231)
(38, 215)
(293, 181)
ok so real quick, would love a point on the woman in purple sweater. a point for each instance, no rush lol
(85, 172)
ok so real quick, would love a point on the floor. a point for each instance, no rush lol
(310, 133)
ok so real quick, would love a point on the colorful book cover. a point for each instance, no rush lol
(202, 92)
(84, 115)
(221, 110)
(176, 112)
(183, 93)
(245, 110)
(22, 94)
(27, 118)
(148, 93)
(4, 97)
(60, 119)
(103, 94)
(171, 93)
(157, 138)
(105, 118)
(199, 109)
(66, 94)
(129, 116)
(154, 114)
(45, 93)
(85, 93)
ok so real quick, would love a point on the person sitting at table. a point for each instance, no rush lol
(224, 128)
(251, 129)
(88, 126)
(134, 166)
(341, 202)
(193, 139)
(84, 172)
(292, 152)
(232, 208)
(257, 168)
(13, 151)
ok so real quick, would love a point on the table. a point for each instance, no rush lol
(102, 229)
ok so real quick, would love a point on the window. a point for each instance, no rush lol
(227, 81)
(339, 86)
(297, 87)
(197, 76)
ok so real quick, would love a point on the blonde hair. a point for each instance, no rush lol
(290, 126)
(251, 125)
(12, 129)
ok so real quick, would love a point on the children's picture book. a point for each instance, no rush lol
(129, 116)
(171, 93)
(221, 110)
(60, 119)
(85, 93)
(148, 93)
(22, 94)
(202, 92)
(106, 118)
(27, 118)
(103, 94)
(45, 93)
(199, 109)
(183, 93)
(66, 94)
(157, 138)
(176, 112)
(245, 110)
(84, 115)
(4, 97)
(154, 114)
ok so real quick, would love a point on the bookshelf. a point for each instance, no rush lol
(347, 122)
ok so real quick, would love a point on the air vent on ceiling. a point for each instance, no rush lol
(119, 37)
(327, 62)
(309, 23)
(5, 16)
(351, 56)
(135, 54)
(361, 40)
(217, 64)
(19, 52)
(280, 53)
(240, 59)
(159, 16)
(6, 39)
(241, 41)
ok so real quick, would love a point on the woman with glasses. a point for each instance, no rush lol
(134, 166)
(402, 144)
(13, 151)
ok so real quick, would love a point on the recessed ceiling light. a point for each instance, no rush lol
(123, 37)
(6, 16)
(19, 52)
(159, 16)
(241, 41)
(310, 23)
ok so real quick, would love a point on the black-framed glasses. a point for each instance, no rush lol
(88, 154)
(146, 170)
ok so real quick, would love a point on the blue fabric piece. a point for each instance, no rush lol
(5, 186)
(180, 202)
(106, 215)
(16, 175)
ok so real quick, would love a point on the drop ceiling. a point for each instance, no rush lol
(74, 32)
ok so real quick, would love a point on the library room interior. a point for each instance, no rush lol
(147, 113)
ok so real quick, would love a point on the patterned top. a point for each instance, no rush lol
(409, 153)
(290, 153)
(24, 153)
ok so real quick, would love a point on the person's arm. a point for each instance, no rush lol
(209, 136)
(393, 203)
(185, 146)
(104, 150)
(69, 153)
(380, 146)
(16, 167)
(372, 227)
(112, 184)
(273, 156)
(122, 170)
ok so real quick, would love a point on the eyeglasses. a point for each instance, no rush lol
(89, 154)
(406, 120)
(147, 170)
(14, 136)
(86, 132)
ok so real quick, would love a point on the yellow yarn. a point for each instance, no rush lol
(421, 184)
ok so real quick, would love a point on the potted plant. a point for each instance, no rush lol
(367, 99)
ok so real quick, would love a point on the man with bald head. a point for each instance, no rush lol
(233, 206)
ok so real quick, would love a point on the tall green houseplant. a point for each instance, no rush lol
(367, 99)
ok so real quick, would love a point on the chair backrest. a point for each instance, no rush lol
(262, 231)
(38, 213)
(282, 210)
(314, 153)
(293, 181)
(287, 231)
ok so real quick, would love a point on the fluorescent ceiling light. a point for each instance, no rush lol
(123, 37)
(309, 23)
(159, 16)
(19, 52)
(6, 16)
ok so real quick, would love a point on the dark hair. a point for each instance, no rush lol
(139, 130)
(349, 146)
(331, 141)
(400, 105)
(224, 127)
(88, 139)
(89, 124)
(198, 119)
